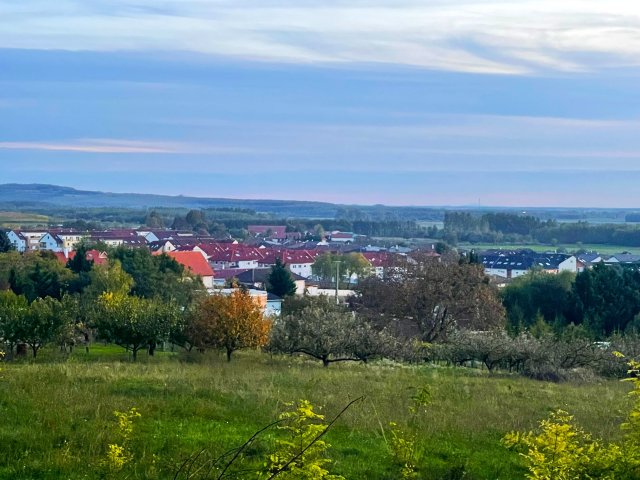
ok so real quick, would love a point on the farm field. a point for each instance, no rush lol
(602, 249)
(58, 415)
(17, 219)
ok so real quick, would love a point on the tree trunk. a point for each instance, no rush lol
(152, 348)
(229, 352)
(325, 362)
(21, 350)
(34, 348)
(134, 354)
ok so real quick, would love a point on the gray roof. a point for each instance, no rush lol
(524, 260)
(626, 258)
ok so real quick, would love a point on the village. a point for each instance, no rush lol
(226, 264)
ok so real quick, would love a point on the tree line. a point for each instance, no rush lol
(510, 227)
(603, 300)
(422, 310)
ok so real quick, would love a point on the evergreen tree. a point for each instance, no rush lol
(79, 263)
(5, 244)
(280, 282)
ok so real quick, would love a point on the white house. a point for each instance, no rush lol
(516, 264)
(50, 242)
(19, 242)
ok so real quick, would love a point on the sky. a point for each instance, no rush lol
(398, 102)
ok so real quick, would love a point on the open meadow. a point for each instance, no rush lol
(568, 247)
(58, 414)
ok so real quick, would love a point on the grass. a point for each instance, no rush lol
(57, 416)
(602, 249)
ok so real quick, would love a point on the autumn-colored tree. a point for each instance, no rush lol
(230, 322)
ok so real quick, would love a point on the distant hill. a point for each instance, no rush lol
(15, 196)
(52, 199)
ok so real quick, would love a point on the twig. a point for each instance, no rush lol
(191, 458)
(240, 449)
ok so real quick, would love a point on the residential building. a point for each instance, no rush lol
(18, 240)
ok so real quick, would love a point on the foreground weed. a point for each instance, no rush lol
(403, 451)
(561, 450)
(302, 456)
(402, 443)
(119, 454)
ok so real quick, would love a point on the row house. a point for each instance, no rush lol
(299, 262)
(117, 238)
(516, 264)
(70, 238)
(229, 255)
(162, 235)
(182, 244)
(35, 240)
(55, 240)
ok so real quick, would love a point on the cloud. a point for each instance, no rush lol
(485, 36)
(124, 146)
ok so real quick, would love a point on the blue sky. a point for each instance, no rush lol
(441, 102)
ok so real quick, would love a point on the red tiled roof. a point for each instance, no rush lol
(277, 231)
(287, 256)
(229, 252)
(194, 262)
(98, 258)
(377, 259)
(341, 235)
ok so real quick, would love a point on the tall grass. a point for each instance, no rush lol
(57, 416)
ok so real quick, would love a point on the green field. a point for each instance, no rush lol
(57, 416)
(602, 249)
(18, 219)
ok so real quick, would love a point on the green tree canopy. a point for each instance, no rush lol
(39, 275)
(541, 293)
(329, 333)
(133, 322)
(609, 297)
(328, 265)
(42, 322)
(157, 276)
